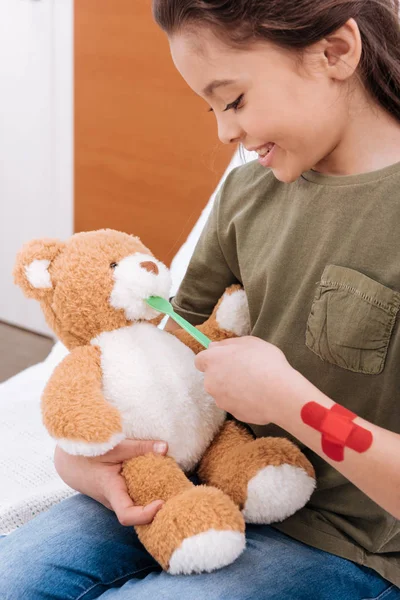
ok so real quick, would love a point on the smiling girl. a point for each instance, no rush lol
(311, 230)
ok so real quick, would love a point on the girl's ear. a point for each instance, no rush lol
(31, 272)
(343, 50)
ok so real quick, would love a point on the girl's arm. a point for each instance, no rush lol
(375, 471)
(252, 380)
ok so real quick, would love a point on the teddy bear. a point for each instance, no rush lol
(125, 377)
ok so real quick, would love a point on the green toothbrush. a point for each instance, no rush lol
(166, 307)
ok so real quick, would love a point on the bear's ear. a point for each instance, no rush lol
(31, 267)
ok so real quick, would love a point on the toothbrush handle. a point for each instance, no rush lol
(198, 335)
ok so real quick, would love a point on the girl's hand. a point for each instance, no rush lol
(100, 478)
(249, 378)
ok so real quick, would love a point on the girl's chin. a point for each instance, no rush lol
(285, 176)
(284, 168)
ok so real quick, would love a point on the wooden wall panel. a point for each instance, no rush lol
(147, 156)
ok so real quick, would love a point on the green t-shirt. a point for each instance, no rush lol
(320, 262)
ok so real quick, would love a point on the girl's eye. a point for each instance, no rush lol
(235, 105)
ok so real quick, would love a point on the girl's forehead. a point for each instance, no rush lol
(202, 59)
(201, 49)
(201, 42)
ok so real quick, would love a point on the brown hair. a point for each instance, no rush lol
(297, 24)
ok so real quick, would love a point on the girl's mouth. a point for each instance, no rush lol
(265, 154)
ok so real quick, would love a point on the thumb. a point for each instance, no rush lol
(132, 448)
(123, 506)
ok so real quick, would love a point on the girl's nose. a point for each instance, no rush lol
(229, 132)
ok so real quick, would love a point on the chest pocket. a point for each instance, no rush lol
(351, 320)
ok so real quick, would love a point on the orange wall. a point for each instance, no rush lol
(147, 156)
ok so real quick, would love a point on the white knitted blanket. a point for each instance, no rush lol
(29, 483)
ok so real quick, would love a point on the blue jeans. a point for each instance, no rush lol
(78, 551)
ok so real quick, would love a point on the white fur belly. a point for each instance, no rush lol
(150, 377)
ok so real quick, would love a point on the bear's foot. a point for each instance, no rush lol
(277, 479)
(206, 552)
(269, 478)
(199, 530)
(277, 492)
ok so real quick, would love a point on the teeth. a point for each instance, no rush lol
(265, 150)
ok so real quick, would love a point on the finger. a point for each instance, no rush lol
(228, 342)
(138, 515)
(132, 448)
(201, 361)
(127, 513)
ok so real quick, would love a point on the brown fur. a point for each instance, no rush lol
(153, 477)
(193, 511)
(235, 457)
(73, 405)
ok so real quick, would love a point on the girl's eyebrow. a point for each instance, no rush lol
(209, 89)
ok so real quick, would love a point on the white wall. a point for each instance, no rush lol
(36, 138)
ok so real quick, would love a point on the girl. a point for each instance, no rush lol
(310, 230)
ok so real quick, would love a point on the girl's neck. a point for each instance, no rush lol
(371, 141)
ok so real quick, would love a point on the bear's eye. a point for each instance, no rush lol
(113, 265)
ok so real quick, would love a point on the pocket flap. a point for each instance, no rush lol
(357, 283)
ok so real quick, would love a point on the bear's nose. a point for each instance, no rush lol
(150, 266)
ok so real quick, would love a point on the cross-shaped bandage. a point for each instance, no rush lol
(337, 428)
